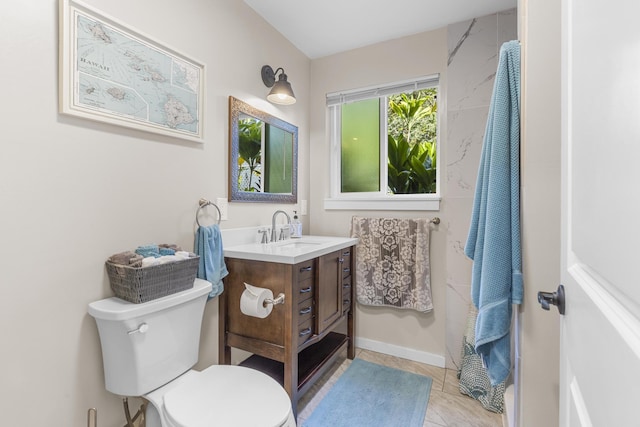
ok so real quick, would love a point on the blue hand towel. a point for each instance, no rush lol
(208, 245)
(494, 236)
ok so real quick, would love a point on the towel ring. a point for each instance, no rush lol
(204, 203)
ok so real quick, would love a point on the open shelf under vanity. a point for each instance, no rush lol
(313, 361)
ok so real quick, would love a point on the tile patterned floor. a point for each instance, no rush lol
(447, 406)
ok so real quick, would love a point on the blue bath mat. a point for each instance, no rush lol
(370, 395)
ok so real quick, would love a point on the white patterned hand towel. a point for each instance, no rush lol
(392, 262)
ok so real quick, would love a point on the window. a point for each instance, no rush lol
(384, 144)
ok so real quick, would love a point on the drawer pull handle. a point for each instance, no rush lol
(305, 290)
(346, 302)
(305, 310)
(346, 270)
(305, 332)
(347, 286)
(347, 253)
(303, 269)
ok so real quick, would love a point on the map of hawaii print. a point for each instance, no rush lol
(111, 73)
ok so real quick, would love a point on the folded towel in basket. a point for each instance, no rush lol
(148, 250)
(126, 258)
(150, 261)
(167, 251)
(173, 246)
(184, 254)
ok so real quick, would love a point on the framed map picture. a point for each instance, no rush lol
(111, 73)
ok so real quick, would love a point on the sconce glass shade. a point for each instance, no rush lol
(281, 91)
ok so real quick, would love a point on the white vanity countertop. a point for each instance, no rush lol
(290, 251)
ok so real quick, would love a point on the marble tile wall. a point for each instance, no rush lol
(474, 47)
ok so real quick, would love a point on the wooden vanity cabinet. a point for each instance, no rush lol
(301, 338)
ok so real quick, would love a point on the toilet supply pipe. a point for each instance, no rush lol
(127, 413)
(92, 417)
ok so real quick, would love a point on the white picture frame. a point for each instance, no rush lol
(112, 73)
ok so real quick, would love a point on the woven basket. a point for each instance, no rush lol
(148, 283)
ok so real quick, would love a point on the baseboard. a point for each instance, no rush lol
(404, 352)
(508, 416)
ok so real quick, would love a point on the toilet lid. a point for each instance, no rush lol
(224, 395)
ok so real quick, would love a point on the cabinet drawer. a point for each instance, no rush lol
(305, 290)
(346, 285)
(346, 303)
(305, 331)
(305, 311)
(346, 293)
(304, 285)
(305, 270)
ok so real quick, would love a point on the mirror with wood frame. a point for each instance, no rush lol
(263, 156)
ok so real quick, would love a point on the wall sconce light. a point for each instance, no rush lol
(281, 92)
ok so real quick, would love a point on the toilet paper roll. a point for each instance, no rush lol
(252, 301)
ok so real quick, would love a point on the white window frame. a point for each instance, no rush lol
(379, 200)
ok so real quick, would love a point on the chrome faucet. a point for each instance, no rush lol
(273, 223)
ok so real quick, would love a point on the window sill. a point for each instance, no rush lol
(394, 203)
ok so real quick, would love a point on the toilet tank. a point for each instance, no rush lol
(144, 346)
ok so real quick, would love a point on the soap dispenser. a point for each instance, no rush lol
(296, 226)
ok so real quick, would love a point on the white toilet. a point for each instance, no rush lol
(149, 349)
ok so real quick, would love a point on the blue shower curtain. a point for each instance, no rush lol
(494, 236)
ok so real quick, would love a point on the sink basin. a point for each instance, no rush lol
(291, 251)
(296, 244)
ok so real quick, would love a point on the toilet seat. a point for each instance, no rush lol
(224, 395)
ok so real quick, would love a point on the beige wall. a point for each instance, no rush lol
(540, 36)
(400, 59)
(74, 191)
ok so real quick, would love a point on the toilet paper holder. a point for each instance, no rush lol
(276, 301)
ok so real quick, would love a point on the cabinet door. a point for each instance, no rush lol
(329, 291)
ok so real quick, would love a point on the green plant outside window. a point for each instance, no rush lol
(249, 154)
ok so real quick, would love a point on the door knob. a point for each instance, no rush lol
(552, 298)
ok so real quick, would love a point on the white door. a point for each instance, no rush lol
(600, 331)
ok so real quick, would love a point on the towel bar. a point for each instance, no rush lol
(204, 203)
